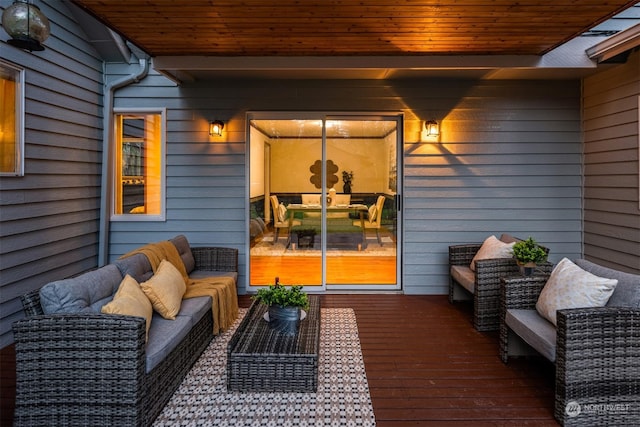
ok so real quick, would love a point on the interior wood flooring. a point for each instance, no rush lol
(308, 270)
(426, 366)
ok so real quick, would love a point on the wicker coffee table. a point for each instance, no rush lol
(260, 358)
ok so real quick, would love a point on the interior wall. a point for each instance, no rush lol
(291, 160)
(611, 105)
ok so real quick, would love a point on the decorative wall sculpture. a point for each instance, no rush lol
(316, 174)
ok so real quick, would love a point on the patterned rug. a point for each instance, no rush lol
(342, 398)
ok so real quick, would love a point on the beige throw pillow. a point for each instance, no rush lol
(165, 290)
(492, 248)
(129, 300)
(569, 286)
(372, 212)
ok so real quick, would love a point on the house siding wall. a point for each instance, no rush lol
(508, 160)
(49, 217)
(611, 206)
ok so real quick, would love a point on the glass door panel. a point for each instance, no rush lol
(288, 187)
(323, 201)
(361, 202)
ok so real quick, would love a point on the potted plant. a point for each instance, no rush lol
(528, 253)
(347, 177)
(285, 304)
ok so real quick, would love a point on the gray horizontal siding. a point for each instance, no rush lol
(49, 217)
(611, 206)
(509, 161)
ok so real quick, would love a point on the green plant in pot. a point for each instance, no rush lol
(528, 253)
(285, 304)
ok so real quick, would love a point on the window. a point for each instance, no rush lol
(139, 166)
(11, 120)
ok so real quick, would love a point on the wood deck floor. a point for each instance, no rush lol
(426, 366)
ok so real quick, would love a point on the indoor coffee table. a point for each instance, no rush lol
(260, 358)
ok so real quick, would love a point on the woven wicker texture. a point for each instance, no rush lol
(486, 296)
(89, 369)
(260, 358)
(597, 358)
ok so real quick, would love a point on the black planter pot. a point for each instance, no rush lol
(284, 319)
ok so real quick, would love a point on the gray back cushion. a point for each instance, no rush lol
(86, 293)
(626, 293)
(136, 266)
(184, 249)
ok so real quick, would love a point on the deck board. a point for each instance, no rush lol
(426, 366)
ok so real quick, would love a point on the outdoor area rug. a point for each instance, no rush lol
(342, 398)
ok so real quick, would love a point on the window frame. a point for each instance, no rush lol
(18, 170)
(116, 151)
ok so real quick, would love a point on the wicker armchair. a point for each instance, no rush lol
(89, 369)
(597, 357)
(486, 284)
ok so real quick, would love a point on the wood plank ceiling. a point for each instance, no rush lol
(290, 28)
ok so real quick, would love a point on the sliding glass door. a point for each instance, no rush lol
(322, 200)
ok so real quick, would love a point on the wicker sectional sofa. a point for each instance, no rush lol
(596, 351)
(76, 366)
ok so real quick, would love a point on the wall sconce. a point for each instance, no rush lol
(215, 128)
(26, 24)
(432, 128)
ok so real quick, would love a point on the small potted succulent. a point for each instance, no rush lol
(528, 253)
(285, 305)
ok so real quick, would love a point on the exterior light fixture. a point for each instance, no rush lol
(215, 128)
(432, 128)
(26, 24)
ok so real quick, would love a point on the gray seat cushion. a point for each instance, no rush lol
(86, 293)
(195, 308)
(164, 336)
(626, 293)
(465, 276)
(535, 330)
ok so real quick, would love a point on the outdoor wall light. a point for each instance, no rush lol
(26, 24)
(215, 128)
(432, 128)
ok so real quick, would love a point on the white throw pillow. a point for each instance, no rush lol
(492, 248)
(569, 286)
(282, 213)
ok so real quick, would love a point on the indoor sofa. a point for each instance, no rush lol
(596, 350)
(78, 366)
